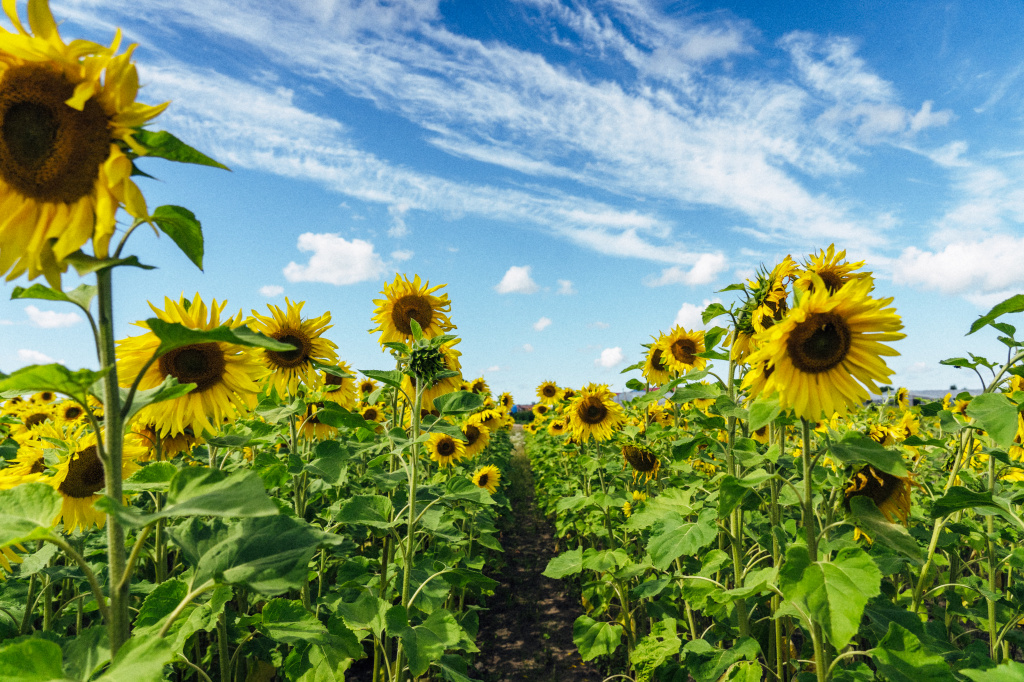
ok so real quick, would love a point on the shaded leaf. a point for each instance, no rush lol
(1009, 671)
(56, 378)
(673, 537)
(81, 295)
(27, 512)
(566, 563)
(997, 415)
(594, 638)
(901, 658)
(855, 448)
(458, 402)
(181, 225)
(174, 335)
(31, 660)
(864, 512)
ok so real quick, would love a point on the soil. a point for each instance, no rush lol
(526, 633)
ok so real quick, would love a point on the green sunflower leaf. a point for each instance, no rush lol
(81, 295)
(173, 335)
(27, 512)
(169, 389)
(997, 415)
(566, 563)
(181, 225)
(424, 643)
(55, 377)
(832, 593)
(84, 264)
(712, 311)
(763, 412)
(458, 402)
(390, 377)
(367, 510)
(31, 660)
(673, 537)
(594, 638)
(141, 659)
(958, 498)
(855, 448)
(865, 514)
(1014, 304)
(901, 657)
(162, 144)
(1009, 671)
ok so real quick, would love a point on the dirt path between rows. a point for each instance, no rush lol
(526, 633)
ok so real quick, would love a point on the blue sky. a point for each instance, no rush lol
(582, 175)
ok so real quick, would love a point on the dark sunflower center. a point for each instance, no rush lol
(819, 343)
(656, 360)
(201, 364)
(483, 480)
(472, 434)
(446, 447)
(85, 474)
(832, 280)
(370, 414)
(366, 387)
(640, 459)
(685, 351)
(311, 411)
(333, 380)
(49, 151)
(411, 307)
(46, 396)
(35, 419)
(592, 411)
(289, 359)
(73, 412)
(38, 466)
(478, 387)
(542, 409)
(549, 391)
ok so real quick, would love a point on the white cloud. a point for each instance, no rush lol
(988, 266)
(517, 280)
(271, 290)
(610, 357)
(542, 324)
(703, 271)
(599, 325)
(51, 319)
(398, 227)
(34, 357)
(493, 368)
(335, 260)
(528, 347)
(689, 315)
(565, 287)
(402, 255)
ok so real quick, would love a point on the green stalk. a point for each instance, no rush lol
(821, 662)
(410, 546)
(113, 442)
(736, 515)
(993, 573)
(222, 646)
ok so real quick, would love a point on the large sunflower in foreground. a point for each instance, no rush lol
(225, 375)
(67, 116)
(78, 477)
(832, 268)
(594, 413)
(825, 355)
(288, 368)
(679, 348)
(406, 300)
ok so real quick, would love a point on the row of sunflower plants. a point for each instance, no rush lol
(751, 514)
(224, 498)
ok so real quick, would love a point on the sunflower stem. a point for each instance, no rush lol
(821, 663)
(411, 527)
(113, 441)
(736, 515)
(993, 573)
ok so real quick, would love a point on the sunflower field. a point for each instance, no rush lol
(225, 498)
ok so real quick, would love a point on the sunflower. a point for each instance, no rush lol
(642, 460)
(477, 437)
(8, 557)
(312, 428)
(225, 375)
(558, 427)
(43, 397)
(67, 116)
(831, 268)
(487, 477)
(679, 349)
(68, 411)
(903, 399)
(506, 401)
(760, 435)
(78, 477)
(366, 387)
(164, 447)
(30, 463)
(291, 367)
(594, 413)
(890, 493)
(480, 387)
(548, 392)
(31, 414)
(492, 419)
(655, 368)
(823, 348)
(540, 410)
(406, 300)
(340, 390)
(444, 449)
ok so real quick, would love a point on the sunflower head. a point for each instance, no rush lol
(367, 386)
(477, 437)
(558, 427)
(506, 401)
(444, 449)
(680, 348)
(594, 413)
(548, 392)
(815, 357)
(487, 477)
(832, 270)
(480, 387)
(891, 494)
(642, 460)
(656, 369)
(289, 368)
(406, 300)
(67, 120)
